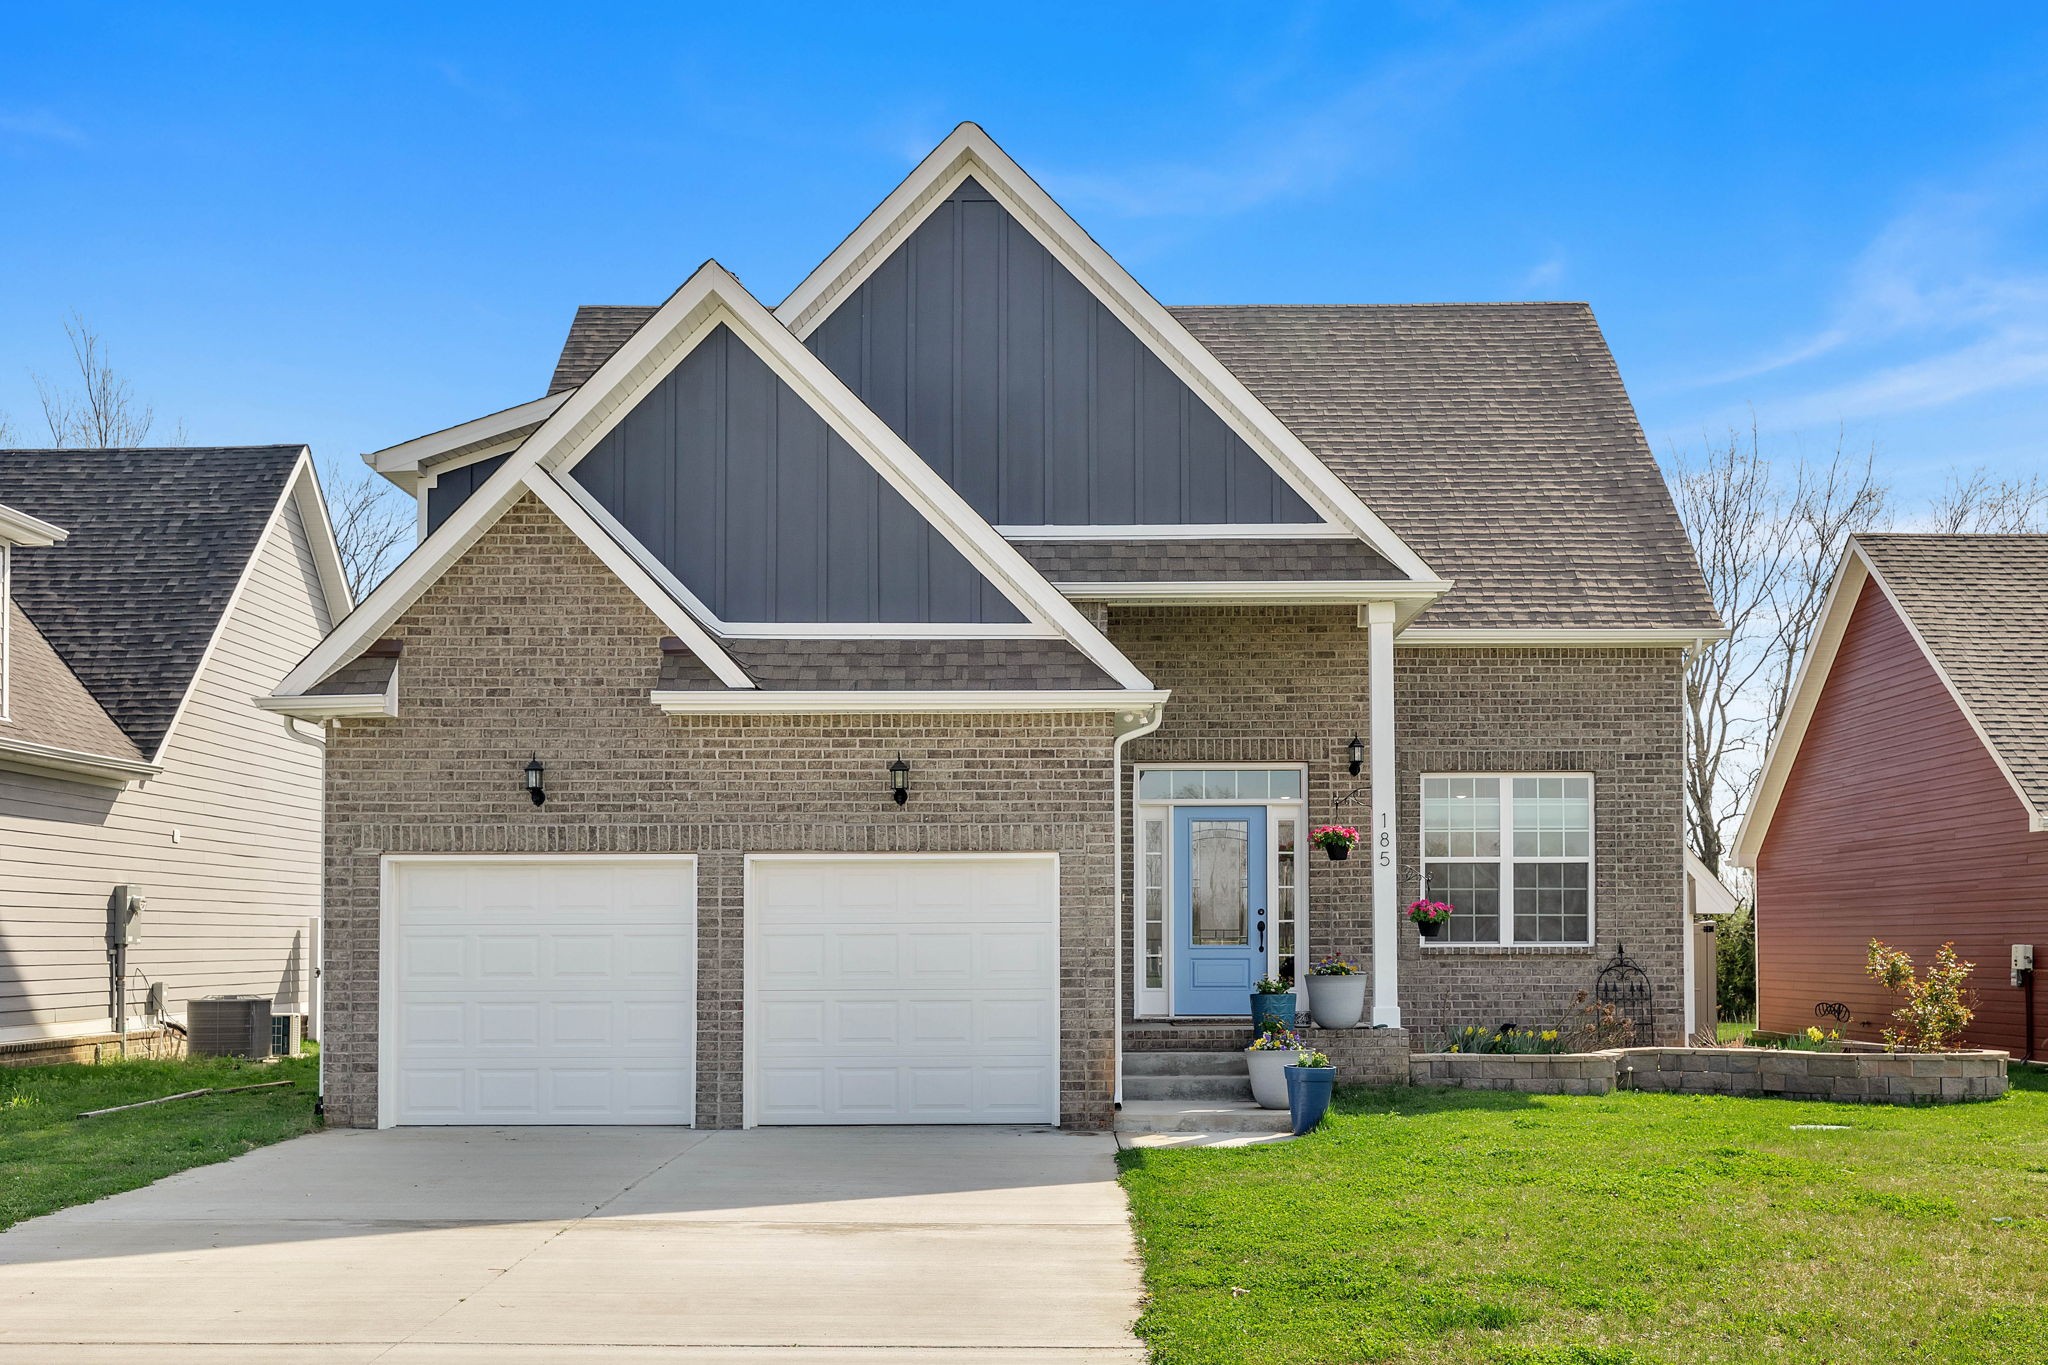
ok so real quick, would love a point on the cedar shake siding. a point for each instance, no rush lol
(1894, 823)
(528, 644)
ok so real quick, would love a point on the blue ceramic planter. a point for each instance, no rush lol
(1308, 1095)
(1278, 1008)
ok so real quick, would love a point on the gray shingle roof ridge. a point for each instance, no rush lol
(1948, 537)
(85, 452)
(1418, 304)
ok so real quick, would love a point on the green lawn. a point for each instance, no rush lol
(1449, 1225)
(1730, 1032)
(50, 1158)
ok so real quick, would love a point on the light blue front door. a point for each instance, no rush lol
(1219, 907)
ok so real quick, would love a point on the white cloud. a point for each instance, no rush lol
(1542, 278)
(40, 125)
(1371, 122)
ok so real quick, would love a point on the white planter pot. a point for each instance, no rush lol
(1269, 1074)
(1337, 1001)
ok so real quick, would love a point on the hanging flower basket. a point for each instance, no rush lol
(1335, 840)
(1429, 916)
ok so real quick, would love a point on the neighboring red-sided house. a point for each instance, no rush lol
(1906, 797)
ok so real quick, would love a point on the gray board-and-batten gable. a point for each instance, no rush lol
(736, 485)
(1028, 395)
(453, 488)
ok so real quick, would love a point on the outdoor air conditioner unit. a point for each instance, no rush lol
(287, 1032)
(229, 1026)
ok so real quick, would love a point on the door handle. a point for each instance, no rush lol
(1262, 931)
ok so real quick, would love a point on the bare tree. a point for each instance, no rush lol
(372, 526)
(104, 411)
(1976, 502)
(6, 430)
(1767, 543)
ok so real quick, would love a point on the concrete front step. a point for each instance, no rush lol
(1230, 1063)
(1221, 1089)
(1199, 1116)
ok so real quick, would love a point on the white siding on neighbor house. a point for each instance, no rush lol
(225, 842)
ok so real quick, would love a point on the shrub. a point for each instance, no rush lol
(1936, 1008)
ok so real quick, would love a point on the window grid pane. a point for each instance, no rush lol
(1474, 889)
(1155, 904)
(1552, 903)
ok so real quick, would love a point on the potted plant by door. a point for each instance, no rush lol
(1335, 840)
(1268, 1058)
(1272, 1001)
(1309, 1084)
(1336, 993)
(1429, 916)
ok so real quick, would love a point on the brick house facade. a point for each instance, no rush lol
(897, 619)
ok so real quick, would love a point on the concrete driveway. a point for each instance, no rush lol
(519, 1245)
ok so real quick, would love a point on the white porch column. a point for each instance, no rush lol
(1384, 838)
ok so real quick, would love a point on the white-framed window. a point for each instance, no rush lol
(1513, 852)
(1159, 788)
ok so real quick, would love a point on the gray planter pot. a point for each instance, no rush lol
(1269, 1074)
(1337, 1001)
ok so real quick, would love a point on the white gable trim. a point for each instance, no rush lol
(302, 487)
(1840, 607)
(401, 463)
(1172, 531)
(691, 315)
(707, 298)
(969, 151)
(1711, 895)
(19, 528)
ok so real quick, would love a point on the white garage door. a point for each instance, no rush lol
(545, 990)
(903, 990)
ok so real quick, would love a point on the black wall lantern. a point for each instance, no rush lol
(1356, 751)
(899, 780)
(535, 770)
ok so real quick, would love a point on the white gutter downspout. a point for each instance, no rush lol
(1130, 725)
(316, 1003)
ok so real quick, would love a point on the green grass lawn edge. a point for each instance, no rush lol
(51, 1159)
(1629, 1229)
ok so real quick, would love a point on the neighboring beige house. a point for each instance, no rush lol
(151, 596)
(914, 703)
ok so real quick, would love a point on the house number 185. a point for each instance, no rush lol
(1386, 843)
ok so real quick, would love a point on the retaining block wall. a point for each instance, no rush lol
(1842, 1077)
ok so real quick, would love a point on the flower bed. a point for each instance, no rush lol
(1858, 1074)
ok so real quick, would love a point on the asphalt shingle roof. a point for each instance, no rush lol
(1981, 604)
(1497, 440)
(896, 665)
(159, 538)
(49, 705)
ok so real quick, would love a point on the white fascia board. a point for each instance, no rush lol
(713, 297)
(407, 456)
(1293, 530)
(19, 528)
(313, 512)
(969, 151)
(333, 705)
(49, 758)
(1711, 895)
(884, 630)
(685, 703)
(320, 531)
(1836, 610)
(1561, 637)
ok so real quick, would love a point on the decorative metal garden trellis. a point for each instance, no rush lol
(1626, 988)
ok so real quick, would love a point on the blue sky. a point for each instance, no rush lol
(353, 226)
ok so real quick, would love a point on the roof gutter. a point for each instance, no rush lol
(22, 753)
